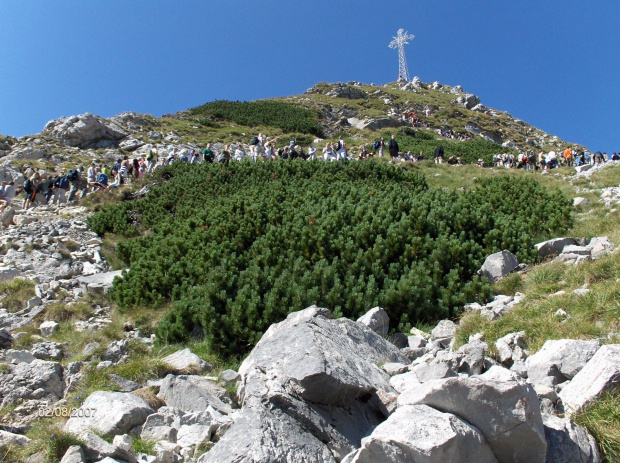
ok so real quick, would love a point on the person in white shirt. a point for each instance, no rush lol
(328, 153)
(239, 154)
(7, 193)
(311, 152)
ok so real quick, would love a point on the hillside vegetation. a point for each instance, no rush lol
(238, 247)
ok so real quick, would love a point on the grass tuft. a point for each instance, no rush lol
(602, 420)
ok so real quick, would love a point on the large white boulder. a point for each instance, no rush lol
(506, 412)
(420, 433)
(35, 380)
(109, 413)
(560, 359)
(85, 131)
(601, 373)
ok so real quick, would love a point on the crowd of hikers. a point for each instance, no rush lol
(74, 184)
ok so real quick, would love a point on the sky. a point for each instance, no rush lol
(552, 63)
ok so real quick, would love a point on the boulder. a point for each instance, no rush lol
(568, 442)
(377, 320)
(48, 328)
(553, 247)
(9, 438)
(97, 449)
(346, 91)
(427, 372)
(7, 216)
(601, 373)
(511, 348)
(186, 360)
(402, 382)
(579, 201)
(199, 426)
(74, 454)
(109, 413)
(85, 131)
(262, 435)
(229, 376)
(445, 329)
(421, 433)
(498, 265)
(507, 413)
(18, 356)
(99, 282)
(35, 380)
(600, 246)
(6, 340)
(193, 394)
(162, 425)
(416, 341)
(47, 350)
(310, 390)
(561, 359)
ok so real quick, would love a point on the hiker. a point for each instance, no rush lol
(328, 153)
(381, 147)
(342, 151)
(239, 153)
(90, 175)
(151, 159)
(30, 189)
(207, 154)
(311, 152)
(46, 188)
(552, 160)
(438, 154)
(7, 193)
(393, 146)
(75, 179)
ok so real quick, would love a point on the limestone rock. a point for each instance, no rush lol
(109, 413)
(193, 394)
(498, 265)
(6, 340)
(561, 359)
(85, 131)
(35, 380)
(421, 433)
(568, 442)
(185, 359)
(553, 247)
(48, 328)
(96, 449)
(9, 438)
(100, 282)
(602, 372)
(18, 356)
(507, 413)
(162, 425)
(377, 320)
(445, 329)
(229, 376)
(259, 435)
(74, 454)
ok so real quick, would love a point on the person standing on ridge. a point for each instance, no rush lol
(438, 154)
(393, 146)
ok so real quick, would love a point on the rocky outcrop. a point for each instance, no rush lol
(312, 388)
(35, 380)
(559, 360)
(568, 442)
(85, 131)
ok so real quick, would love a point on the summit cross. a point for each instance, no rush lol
(401, 39)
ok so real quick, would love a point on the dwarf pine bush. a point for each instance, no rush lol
(238, 247)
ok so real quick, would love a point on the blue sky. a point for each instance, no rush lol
(553, 64)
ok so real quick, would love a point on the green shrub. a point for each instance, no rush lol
(236, 248)
(285, 116)
(469, 151)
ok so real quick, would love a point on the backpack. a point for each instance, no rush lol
(102, 178)
(62, 183)
(28, 186)
(150, 156)
(72, 175)
(376, 145)
(254, 141)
